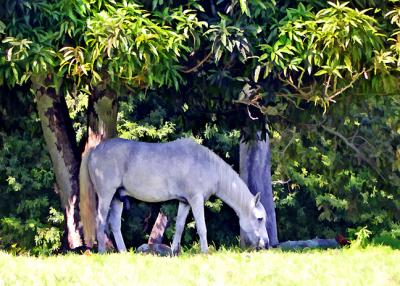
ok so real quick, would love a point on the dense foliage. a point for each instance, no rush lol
(320, 77)
(340, 172)
(29, 219)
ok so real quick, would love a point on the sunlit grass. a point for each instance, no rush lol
(371, 266)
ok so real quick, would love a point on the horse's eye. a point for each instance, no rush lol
(260, 219)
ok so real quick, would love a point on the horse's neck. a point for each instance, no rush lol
(234, 192)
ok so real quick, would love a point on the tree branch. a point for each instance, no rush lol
(301, 93)
(280, 182)
(327, 85)
(290, 141)
(360, 154)
(343, 89)
(307, 92)
(199, 64)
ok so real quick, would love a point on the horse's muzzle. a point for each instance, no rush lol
(262, 244)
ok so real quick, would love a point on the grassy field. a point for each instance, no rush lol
(371, 266)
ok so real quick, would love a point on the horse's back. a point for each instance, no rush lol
(154, 171)
(124, 148)
(163, 171)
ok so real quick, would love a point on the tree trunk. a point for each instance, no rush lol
(102, 123)
(157, 232)
(255, 170)
(154, 245)
(102, 116)
(61, 143)
(57, 131)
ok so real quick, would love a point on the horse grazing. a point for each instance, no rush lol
(155, 172)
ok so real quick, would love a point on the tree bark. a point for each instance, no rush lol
(255, 170)
(157, 232)
(61, 143)
(62, 147)
(154, 245)
(102, 123)
(102, 116)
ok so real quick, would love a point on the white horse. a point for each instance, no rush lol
(157, 172)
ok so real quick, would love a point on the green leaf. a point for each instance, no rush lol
(357, 39)
(321, 72)
(2, 27)
(263, 57)
(223, 39)
(257, 73)
(244, 8)
(218, 54)
(337, 73)
(347, 61)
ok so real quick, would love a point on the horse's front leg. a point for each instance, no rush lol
(183, 211)
(197, 204)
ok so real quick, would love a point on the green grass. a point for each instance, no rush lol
(370, 266)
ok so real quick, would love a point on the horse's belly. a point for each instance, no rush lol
(149, 197)
(154, 190)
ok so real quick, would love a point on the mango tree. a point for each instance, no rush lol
(64, 48)
(344, 57)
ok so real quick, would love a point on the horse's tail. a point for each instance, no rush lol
(87, 202)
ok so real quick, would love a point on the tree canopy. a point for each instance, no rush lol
(321, 78)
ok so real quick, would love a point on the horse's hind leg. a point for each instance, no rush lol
(115, 223)
(102, 214)
(183, 211)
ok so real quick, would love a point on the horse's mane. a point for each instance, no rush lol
(232, 190)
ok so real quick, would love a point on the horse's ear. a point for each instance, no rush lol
(257, 198)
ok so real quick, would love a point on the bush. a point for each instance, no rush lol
(343, 173)
(28, 203)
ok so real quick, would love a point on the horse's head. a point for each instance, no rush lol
(253, 225)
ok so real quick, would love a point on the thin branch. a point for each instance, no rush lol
(327, 85)
(199, 64)
(290, 82)
(251, 116)
(360, 154)
(303, 93)
(343, 89)
(363, 139)
(355, 135)
(307, 92)
(291, 98)
(281, 182)
(250, 101)
(290, 141)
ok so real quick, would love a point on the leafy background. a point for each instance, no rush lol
(320, 77)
